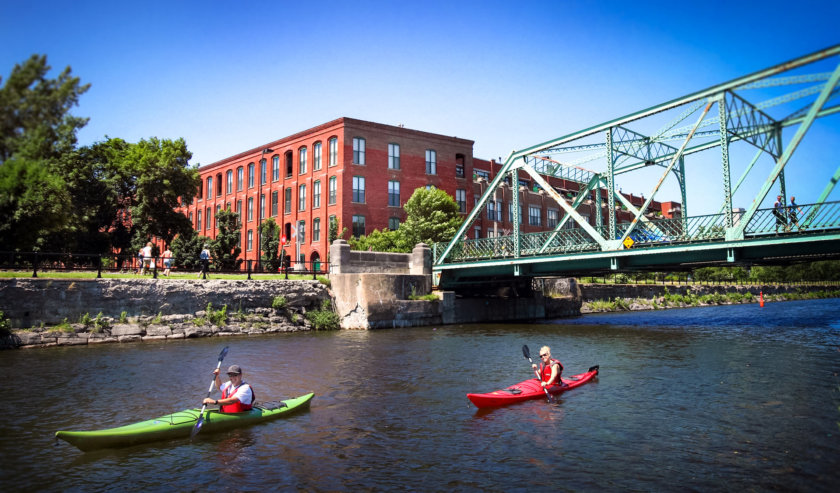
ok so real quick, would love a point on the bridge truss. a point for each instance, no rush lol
(753, 110)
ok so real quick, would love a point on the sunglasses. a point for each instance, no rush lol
(233, 374)
(543, 355)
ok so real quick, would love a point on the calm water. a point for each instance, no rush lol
(705, 399)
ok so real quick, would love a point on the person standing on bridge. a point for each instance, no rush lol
(550, 369)
(779, 212)
(792, 212)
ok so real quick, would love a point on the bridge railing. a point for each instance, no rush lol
(803, 219)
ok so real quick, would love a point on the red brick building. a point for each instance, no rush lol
(360, 174)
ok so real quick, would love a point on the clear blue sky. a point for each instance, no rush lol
(230, 76)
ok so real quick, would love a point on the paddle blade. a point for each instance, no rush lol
(223, 353)
(198, 424)
(525, 351)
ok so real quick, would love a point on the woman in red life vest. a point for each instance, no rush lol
(550, 369)
(237, 396)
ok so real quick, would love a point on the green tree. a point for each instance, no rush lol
(157, 173)
(432, 216)
(225, 249)
(334, 233)
(35, 119)
(381, 241)
(270, 245)
(33, 203)
(186, 248)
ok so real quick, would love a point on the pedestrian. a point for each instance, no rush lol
(167, 261)
(792, 213)
(204, 259)
(139, 262)
(146, 253)
(779, 212)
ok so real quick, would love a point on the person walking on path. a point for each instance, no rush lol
(146, 251)
(167, 261)
(204, 258)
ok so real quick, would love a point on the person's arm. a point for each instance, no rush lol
(534, 367)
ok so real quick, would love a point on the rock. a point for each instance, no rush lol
(158, 331)
(120, 330)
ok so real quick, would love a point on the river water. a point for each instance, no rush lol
(707, 399)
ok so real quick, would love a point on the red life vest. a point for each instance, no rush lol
(545, 371)
(237, 407)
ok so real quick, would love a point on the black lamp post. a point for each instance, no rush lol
(261, 204)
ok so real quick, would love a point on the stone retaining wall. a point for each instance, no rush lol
(33, 302)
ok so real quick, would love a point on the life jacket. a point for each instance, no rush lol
(545, 371)
(237, 407)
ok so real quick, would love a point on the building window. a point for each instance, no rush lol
(431, 162)
(358, 226)
(198, 220)
(393, 193)
(302, 160)
(302, 198)
(316, 156)
(393, 223)
(239, 177)
(251, 175)
(200, 190)
(239, 212)
(534, 216)
(552, 218)
(494, 210)
(191, 217)
(393, 156)
(250, 241)
(275, 168)
(216, 217)
(480, 173)
(262, 206)
(333, 151)
(301, 231)
(288, 201)
(275, 199)
(333, 190)
(250, 209)
(316, 230)
(316, 194)
(358, 150)
(478, 232)
(207, 217)
(510, 213)
(359, 189)
(263, 171)
(461, 199)
(229, 182)
(209, 187)
(289, 166)
(459, 165)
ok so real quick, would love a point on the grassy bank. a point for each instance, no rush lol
(676, 300)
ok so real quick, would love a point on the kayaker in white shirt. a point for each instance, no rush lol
(237, 396)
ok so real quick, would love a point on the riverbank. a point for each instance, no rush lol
(599, 298)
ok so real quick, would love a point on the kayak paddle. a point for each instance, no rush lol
(204, 406)
(527, 353)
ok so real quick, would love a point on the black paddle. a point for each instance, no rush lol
(527, 353)
(204, 406)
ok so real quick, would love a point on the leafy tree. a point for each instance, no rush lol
(33, 203)
(432, 216)
(186, 249)
(270, 245)
(157, 174)
(381, 241)
(334, 234)
(35, 120)
(225, 249)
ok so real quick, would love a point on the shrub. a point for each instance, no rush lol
(217, 317)
(85, 320)
(325, 318)
(123, 317)
(279, 303)
(5, 326)
(99, 324)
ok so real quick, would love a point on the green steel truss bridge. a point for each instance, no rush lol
(746, 114)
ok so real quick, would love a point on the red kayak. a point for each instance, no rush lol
(529, 389)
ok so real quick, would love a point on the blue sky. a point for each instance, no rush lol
(230, 76)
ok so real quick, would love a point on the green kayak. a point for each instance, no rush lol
(179, 425)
